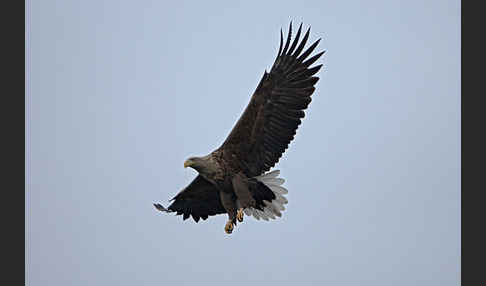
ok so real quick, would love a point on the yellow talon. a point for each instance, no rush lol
(239, 215)
(228, 227)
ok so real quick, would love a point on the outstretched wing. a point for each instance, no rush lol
(200, 199)
(270, 121)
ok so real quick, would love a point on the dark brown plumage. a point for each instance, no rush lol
(232, 178)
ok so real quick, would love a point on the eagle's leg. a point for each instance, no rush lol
(242, 191)
(228, 201)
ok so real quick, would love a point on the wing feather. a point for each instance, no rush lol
(288, 40)
(270, 121)
(200, 199)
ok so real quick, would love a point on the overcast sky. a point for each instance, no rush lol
(122, 92)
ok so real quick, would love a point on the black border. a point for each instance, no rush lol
(13, 136)
(472, 144)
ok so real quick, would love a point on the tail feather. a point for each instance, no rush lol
(273, 208)
(269, 175)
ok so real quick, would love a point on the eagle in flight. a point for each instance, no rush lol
(234, 179)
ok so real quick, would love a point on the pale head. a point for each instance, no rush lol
(204, 165)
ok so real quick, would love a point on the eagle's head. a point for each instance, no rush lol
(193, 162)
(204, 165)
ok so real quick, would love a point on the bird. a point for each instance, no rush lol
(235, 179)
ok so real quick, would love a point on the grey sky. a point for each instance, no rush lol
(122, 92)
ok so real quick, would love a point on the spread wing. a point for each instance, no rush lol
(200, 199)
(270, 121)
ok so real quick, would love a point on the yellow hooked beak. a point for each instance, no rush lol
(188, 163)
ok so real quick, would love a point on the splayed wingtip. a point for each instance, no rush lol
(161, 208)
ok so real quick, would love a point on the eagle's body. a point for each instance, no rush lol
(233, 179)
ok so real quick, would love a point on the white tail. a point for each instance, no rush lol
(273, 208)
